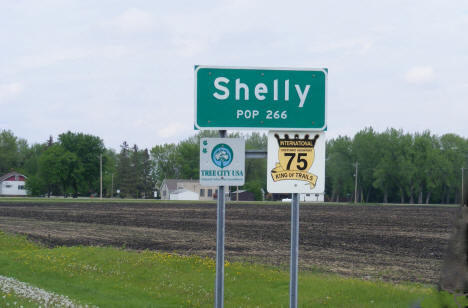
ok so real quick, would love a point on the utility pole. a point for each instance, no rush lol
(100, 172)
(355, 183)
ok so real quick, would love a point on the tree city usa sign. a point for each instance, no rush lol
(222, 161)
(253, 98)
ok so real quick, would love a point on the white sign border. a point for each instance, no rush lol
(239, 159)
(323, 128)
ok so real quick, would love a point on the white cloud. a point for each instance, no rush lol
(132, 20)
(10, 90)
(58, 55)
(188, 47)
(171, 130)
(50, 57)
(359, 46)
(420, 75)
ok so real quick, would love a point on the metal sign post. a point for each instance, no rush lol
(219, 302)
(221, 211)
(294, 250)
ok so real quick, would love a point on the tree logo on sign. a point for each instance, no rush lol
(296, 157)
(222, 155)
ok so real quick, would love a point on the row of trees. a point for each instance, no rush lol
(134, 172)
(71, 165)
(67, 166)
(394, 166)
(391, 166)
(182, 160)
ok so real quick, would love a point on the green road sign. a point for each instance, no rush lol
(251, 98)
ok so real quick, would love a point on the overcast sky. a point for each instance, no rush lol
(124, 70)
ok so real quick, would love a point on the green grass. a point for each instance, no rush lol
(12, 300)
(119, 200)
(109, 277)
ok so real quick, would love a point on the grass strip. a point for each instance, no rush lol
(110, 277)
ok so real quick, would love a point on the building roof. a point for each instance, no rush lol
(6, 176)
(238, 191)
(172, 183)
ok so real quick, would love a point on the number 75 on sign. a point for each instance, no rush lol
(296, 162)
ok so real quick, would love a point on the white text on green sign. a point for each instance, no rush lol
(260, 98)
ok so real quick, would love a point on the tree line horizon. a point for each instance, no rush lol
(392, 166)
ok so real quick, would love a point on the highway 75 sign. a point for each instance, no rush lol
(296, 162)
(252, 98)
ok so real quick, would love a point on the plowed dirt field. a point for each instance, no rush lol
(400, 243)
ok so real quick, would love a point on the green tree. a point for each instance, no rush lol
(435, 166)
(425, 156)
(367, 152)
(124, 171)
(256, 188)
(60, 168)
(135, 172)
(87, 149)
(339, 169)
(256, 141)
(406, 170)
(164, 157)
(109, 172)
(35, 185)
(455, 153)
(30, 165)
(187, 160)
(394, 167)
(9, 159)
(256, 168)
(147, 176)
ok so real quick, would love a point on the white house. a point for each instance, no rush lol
(308, 198)
(312, 197)
(169, 186)
(12, 184)
(183, 194)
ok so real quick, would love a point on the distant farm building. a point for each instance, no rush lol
(242, 195)
(306, 198)
(184, 194)
(312, 197)
(176, 189)
(12, 184)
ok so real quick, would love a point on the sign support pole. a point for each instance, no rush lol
(294, 250)
(221, 210)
